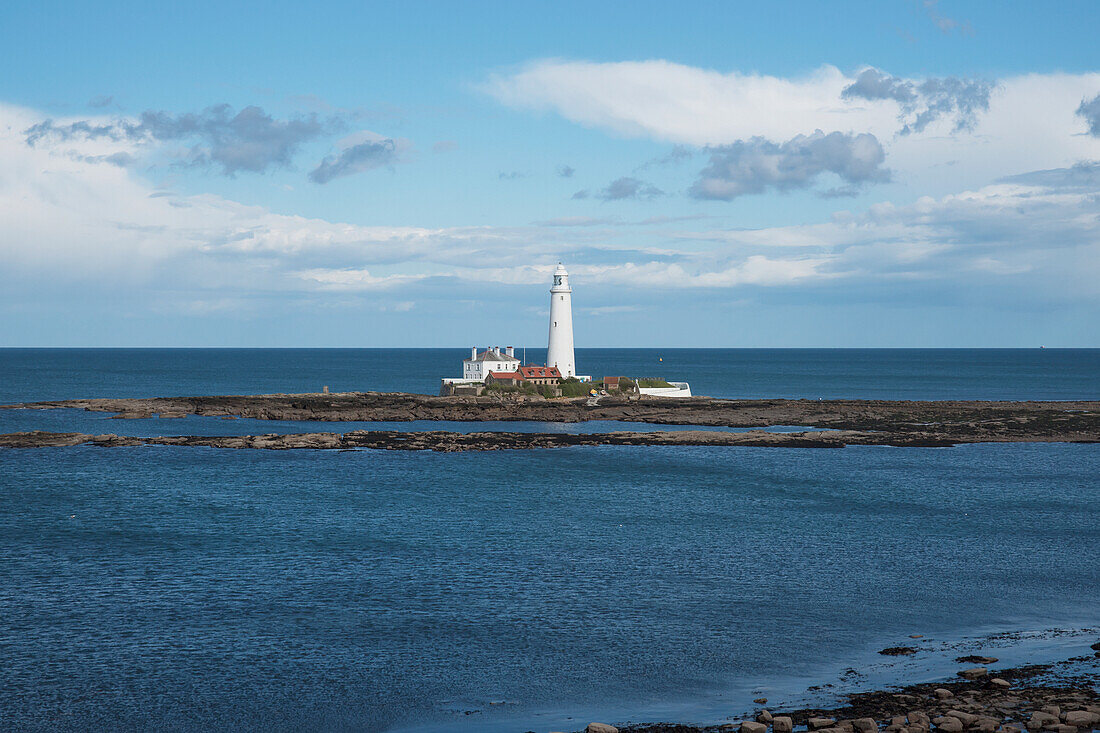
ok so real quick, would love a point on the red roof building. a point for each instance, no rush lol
(540, 374)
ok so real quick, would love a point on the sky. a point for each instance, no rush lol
(890, 173)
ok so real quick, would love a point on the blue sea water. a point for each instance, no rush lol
(892, 374)
(204, 589)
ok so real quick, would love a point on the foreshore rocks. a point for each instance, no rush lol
(906, 422)
(967, 706)
(449, 442)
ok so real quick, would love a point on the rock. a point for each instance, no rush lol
(1041, 718)
(966, 718)
(942, 694)
(749, 726)
(1062, 728)
(918, 719)
(974, 673)
(1052, 710)
(761, 701)
(897, 651)
(986, 724)
(764, 717)
(949, 724)
(865, 725)
(600, 728)
(898, 720)
(916, 636)
(819, 723)
(1000, 684)
(1082, 718)
(975, 659)
(782, 724)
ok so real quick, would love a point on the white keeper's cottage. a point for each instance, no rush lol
(493, 359)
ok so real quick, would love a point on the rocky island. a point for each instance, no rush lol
(837, 422)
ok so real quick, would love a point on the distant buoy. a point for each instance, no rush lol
(659, 359)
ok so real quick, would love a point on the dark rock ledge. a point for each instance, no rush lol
(448, 442)
(908, 422)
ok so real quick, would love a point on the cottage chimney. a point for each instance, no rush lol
(473, 353)
(511, 351)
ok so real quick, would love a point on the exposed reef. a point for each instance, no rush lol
(907, 422)
(450, 442)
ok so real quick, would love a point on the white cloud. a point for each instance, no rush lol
(1031, 122)
(76, 223)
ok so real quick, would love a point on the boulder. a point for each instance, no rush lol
(1082, 718)
(761, 701)
(750, 726)
(819, 723)
(974, 673)
(948, 724)
(942, 694)
(1000, 684)
(764, 717)
(918, 719)
(600, 728)
(966, 718)
(1052, 710)
(897, 651)
(1063, 728)
(1039, 719)
(865, 725)
(782, 724)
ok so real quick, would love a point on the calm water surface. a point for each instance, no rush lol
(198, 589)
(935, 374)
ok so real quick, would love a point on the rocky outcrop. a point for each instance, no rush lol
(947, 422)
(1061, 705)
(448, 442)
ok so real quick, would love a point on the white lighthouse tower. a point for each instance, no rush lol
(559, 350)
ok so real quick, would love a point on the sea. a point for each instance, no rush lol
(187, 589)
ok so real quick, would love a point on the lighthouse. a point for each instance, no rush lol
(559, 349)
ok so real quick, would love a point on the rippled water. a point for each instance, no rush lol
(197, 589)
(203, 588)
(889, 374)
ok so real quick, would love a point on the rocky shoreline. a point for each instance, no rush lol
(451, 442)
(906, 422)
(1035, 699)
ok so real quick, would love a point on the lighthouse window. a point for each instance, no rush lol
(562, 297)
(555, 324)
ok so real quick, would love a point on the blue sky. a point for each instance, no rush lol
(903, 173)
